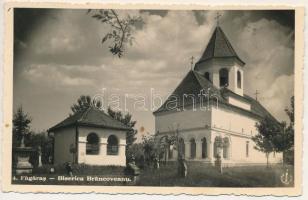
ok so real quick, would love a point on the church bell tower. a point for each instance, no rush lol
(221, 65)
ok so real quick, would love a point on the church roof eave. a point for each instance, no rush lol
(90, 117)
(208, 59)
(257, 110)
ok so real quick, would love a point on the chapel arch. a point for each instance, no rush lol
(112, 145)
(92, 145)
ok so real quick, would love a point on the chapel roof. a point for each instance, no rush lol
(194, 82)
(90, 117)
(219, 47)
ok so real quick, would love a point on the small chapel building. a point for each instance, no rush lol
(90, 137)
(230, 114)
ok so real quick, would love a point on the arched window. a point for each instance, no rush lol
(216, 146)
(223, 77)
(192, 148)
(112, 145)
(239, 79)
(226, 148)
(207, 76)
(181, 148)
(170, 152)
(204, 148)
(92, 145)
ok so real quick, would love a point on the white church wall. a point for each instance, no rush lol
(232, 121)
(63, 139)
(240, 129)
(186, 119)
(102, 158)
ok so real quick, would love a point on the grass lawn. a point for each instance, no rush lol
(208, 176)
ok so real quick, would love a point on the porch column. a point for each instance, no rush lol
(81, 150)
(198, 150)
(187, 150)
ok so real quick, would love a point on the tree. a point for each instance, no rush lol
(83, 103)
(283, 141)
(290, 112)
(288, 139)
(126, 120)
(44, 142)
(150, 148)
(121, 29)
(21, 126)
(268, 129)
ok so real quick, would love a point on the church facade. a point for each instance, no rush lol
(90, 137)
(210, 103)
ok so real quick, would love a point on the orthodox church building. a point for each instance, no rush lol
(210, 103)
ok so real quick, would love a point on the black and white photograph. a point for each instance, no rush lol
(154, 97)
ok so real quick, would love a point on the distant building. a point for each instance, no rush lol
(230, 114)
(96, 138)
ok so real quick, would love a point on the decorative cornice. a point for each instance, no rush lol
(205, 128)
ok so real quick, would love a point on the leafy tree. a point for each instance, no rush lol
(121, 29)
(41, 141)
(290, 112)
(150, 148)
(21, 126)
(288, 139)
(268, 129)
(83, 103)
(136, 150)
(284, 140)
(126, 120)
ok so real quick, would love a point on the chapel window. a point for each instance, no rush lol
(112, 145)
(92, 145)
(223, 77)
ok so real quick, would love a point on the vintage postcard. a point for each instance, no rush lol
(155, 99)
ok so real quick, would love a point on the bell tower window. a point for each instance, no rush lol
(223, 77)
(239, 79)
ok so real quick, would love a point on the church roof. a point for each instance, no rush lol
(90, 117)
(194, 82)
(219, 47)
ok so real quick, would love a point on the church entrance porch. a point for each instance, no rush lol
(201, 149)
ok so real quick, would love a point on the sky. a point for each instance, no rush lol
(58, 56)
